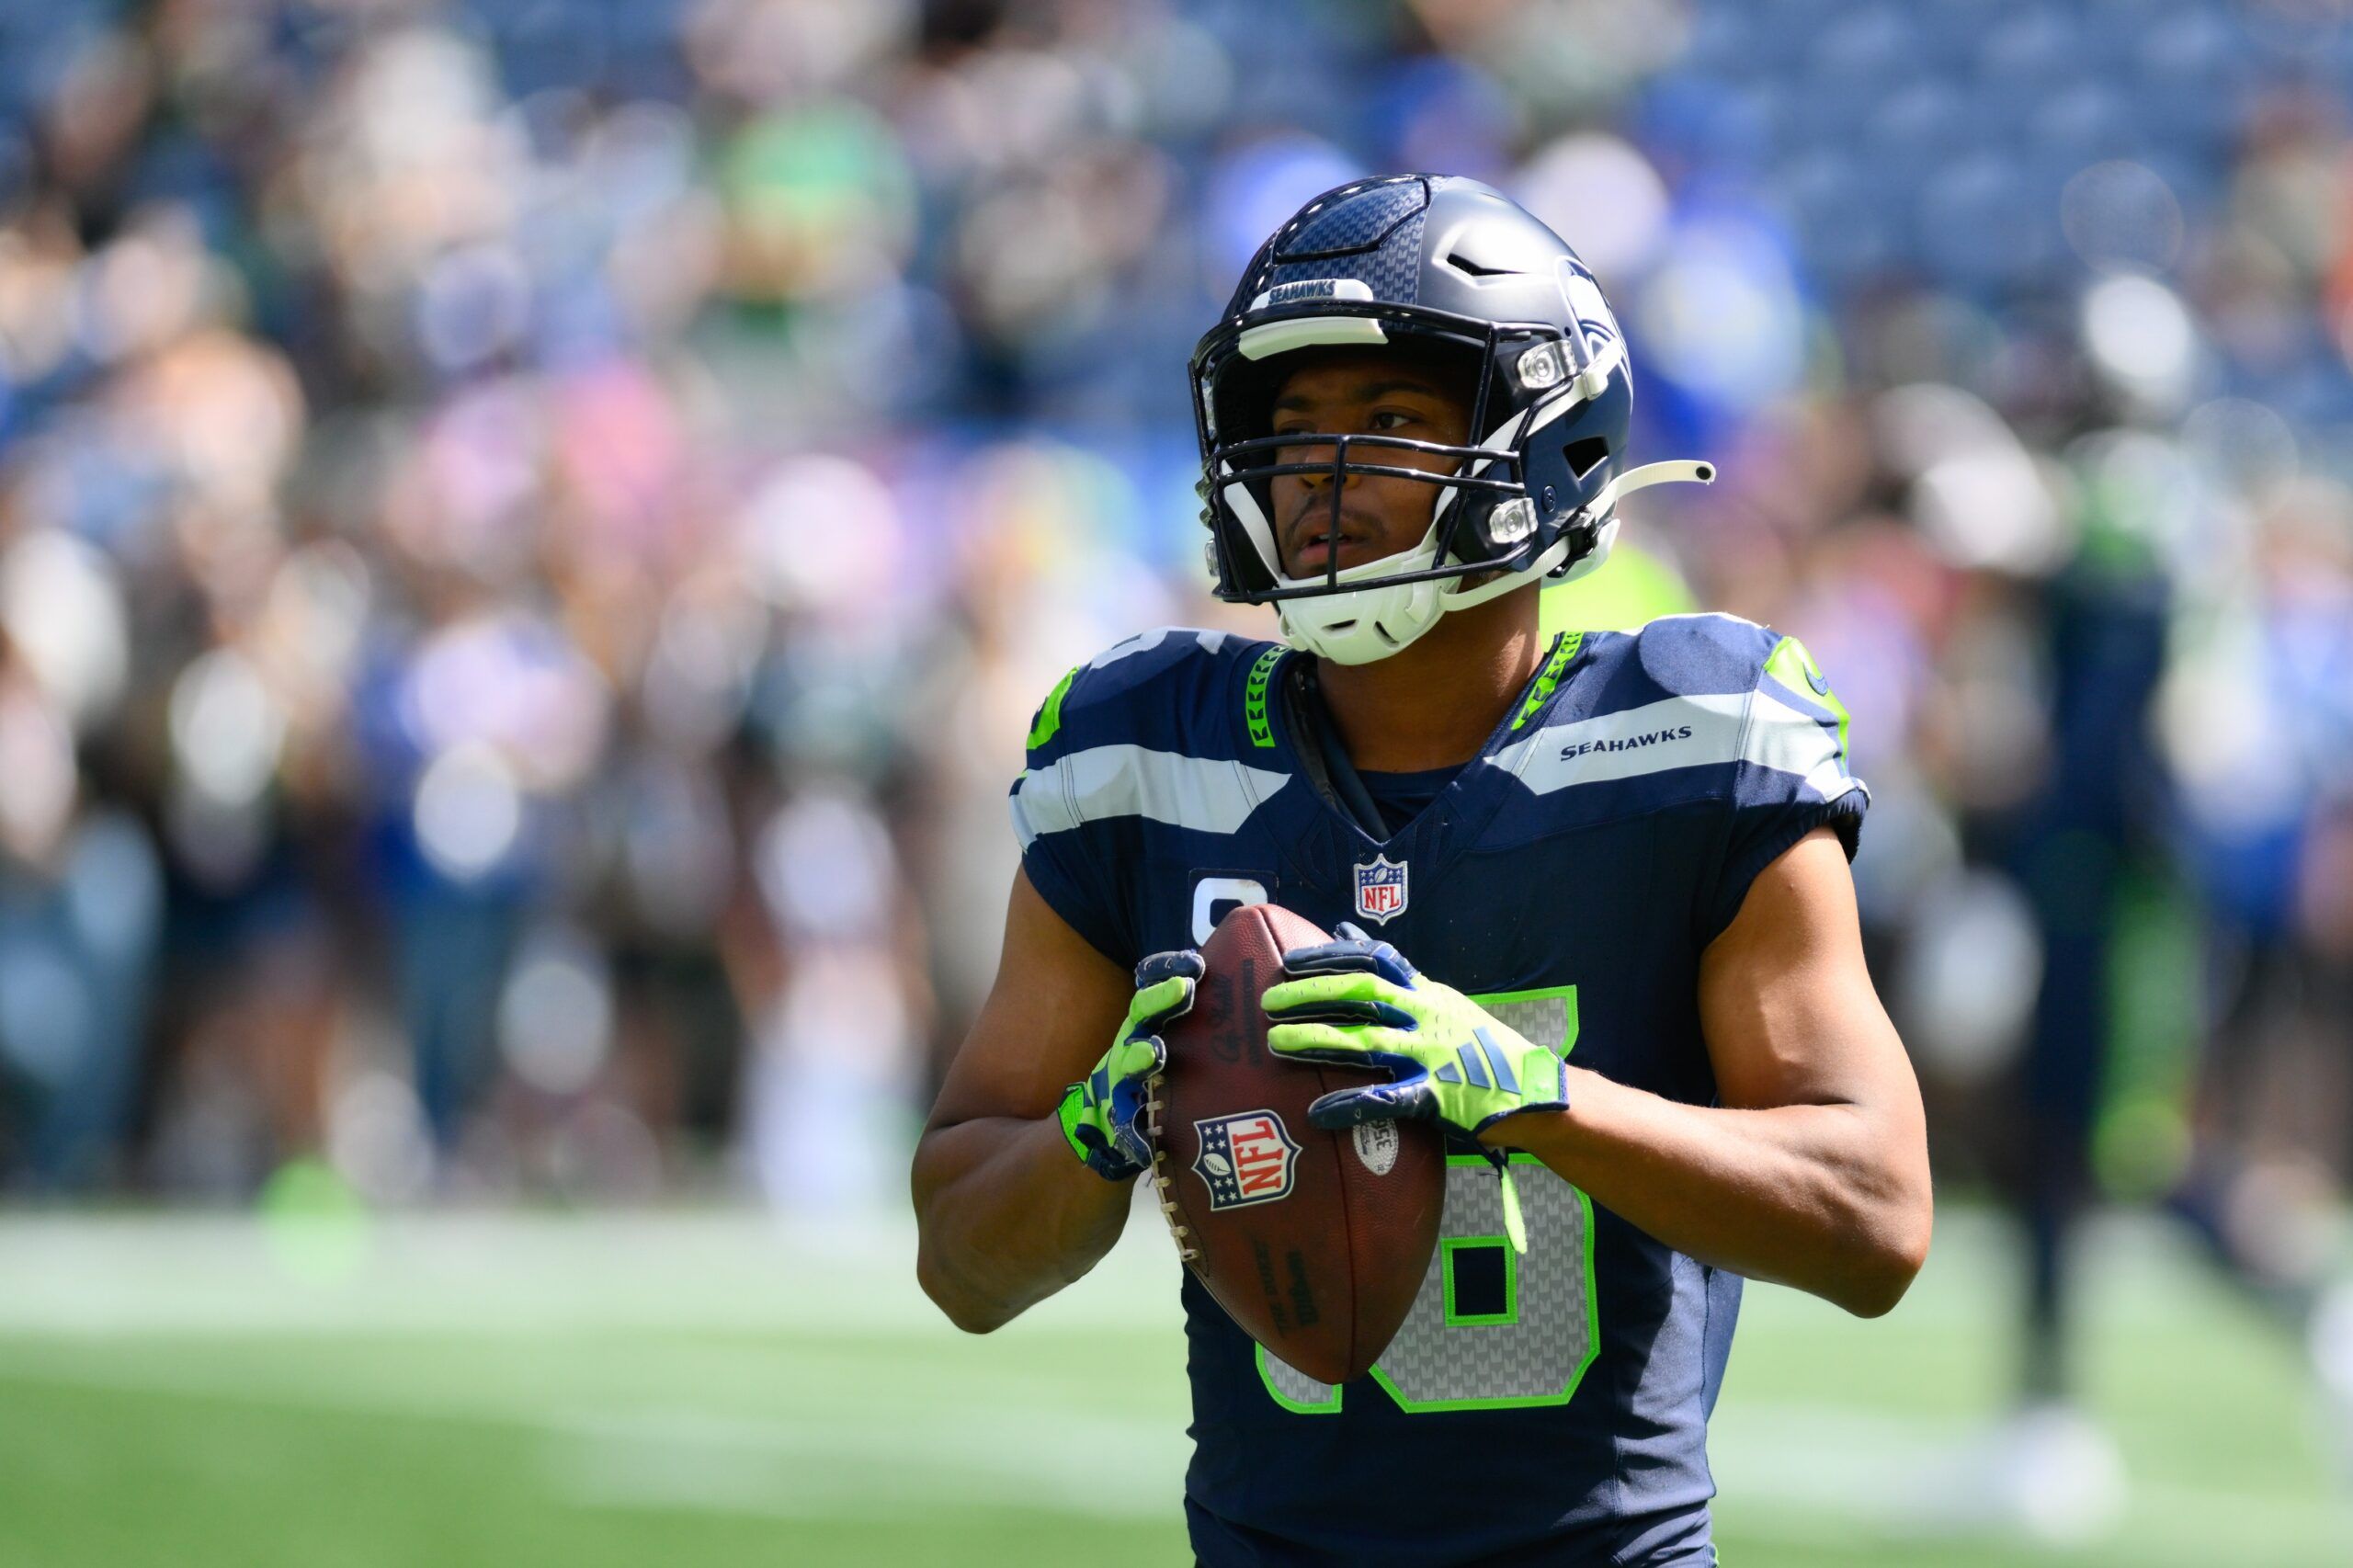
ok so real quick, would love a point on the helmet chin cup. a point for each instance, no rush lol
(1357, 626)
(1360, 627)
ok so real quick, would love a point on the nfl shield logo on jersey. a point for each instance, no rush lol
(1380, 889)
(1244, 1158)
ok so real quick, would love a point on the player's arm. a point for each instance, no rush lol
(1812, 1171)
(1007, 1210)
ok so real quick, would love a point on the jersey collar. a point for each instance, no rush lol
(1325, 832)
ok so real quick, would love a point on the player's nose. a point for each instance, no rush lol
(1326, 456)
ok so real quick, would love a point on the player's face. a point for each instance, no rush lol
(1351, 392)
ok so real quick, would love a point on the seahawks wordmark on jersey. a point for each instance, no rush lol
(1569, 877)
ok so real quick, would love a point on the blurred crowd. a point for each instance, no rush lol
(530, 533)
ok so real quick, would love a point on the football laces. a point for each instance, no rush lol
(1162, 1182)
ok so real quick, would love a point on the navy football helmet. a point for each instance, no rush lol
(1437, 265)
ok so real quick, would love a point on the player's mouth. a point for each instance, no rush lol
(1315, 544)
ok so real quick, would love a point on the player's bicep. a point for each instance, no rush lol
(1054, 1006)
(1786, 1002)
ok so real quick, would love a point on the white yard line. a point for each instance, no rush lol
(96, 1276)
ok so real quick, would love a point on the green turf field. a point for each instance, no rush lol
(718, 1390)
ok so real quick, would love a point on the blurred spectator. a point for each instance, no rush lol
(529, 535)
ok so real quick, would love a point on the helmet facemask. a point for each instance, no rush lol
(1483, 520)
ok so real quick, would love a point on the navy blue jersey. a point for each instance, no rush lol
(1551, 1407)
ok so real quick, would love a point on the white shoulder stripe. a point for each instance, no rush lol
(1681, 731)
(1794, 741)
(1198, 792)
(1145, 642)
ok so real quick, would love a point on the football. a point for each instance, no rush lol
(1314, 1241)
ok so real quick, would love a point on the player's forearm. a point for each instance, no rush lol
(1006, 1216)
(1831, 1198)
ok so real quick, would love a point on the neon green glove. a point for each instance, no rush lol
(1102, 1115)
(1358, 1002)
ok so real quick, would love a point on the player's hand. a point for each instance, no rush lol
(1357, 1002)
(1102, 1114)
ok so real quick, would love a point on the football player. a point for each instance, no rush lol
(1614, 865)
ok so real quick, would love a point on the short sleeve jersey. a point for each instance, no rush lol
(1551, 1407)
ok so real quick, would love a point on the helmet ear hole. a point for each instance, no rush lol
(1586, 455)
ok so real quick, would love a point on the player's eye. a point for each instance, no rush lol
(1393, 419)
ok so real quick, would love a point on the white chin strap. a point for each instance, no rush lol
(1359, 627)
